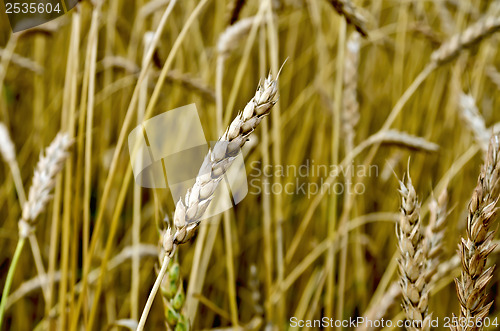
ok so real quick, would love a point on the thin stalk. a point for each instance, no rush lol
(68, 123)
(37, 256)
(10, 277)
(272, 34)
(153, 292)
(336, 144)
(233, 305)
(18, 182)
(243, 64)
(266, 198)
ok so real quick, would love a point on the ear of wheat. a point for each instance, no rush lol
(412, 260)
(434, 234)
(189, 211)
(44, 178)
(475, 248)
(473, 119)
(471, 36)
(6, 145)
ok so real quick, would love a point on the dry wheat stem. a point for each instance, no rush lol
(412, 261)
(189, 211)
(402, 139)
(475, 248)
(351, 13)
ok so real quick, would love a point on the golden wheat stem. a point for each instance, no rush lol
(10, 277)
(154, 290)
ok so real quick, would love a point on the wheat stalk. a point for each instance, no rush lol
(189, 211)
(475, 248)
(412, 260)
(351, 13)
(471, 36)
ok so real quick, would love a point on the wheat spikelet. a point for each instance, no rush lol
(6, 145)
(49, 165)
(434, 269)
(475, 248)
(350, 114)
(189, 210)
(434, 234)
(347, 9)
(473, 119)
(412, 260)
(472, 35)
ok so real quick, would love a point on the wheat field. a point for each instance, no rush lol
(367, 136)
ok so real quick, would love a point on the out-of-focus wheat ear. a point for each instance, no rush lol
(475, 248)
(49, 165)
(471, 36)
(434, 234)
(352, 15)
(474, 121)
(350, 107)
(8, 151)
(6, 145)
(412, 261)
(228, 40)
